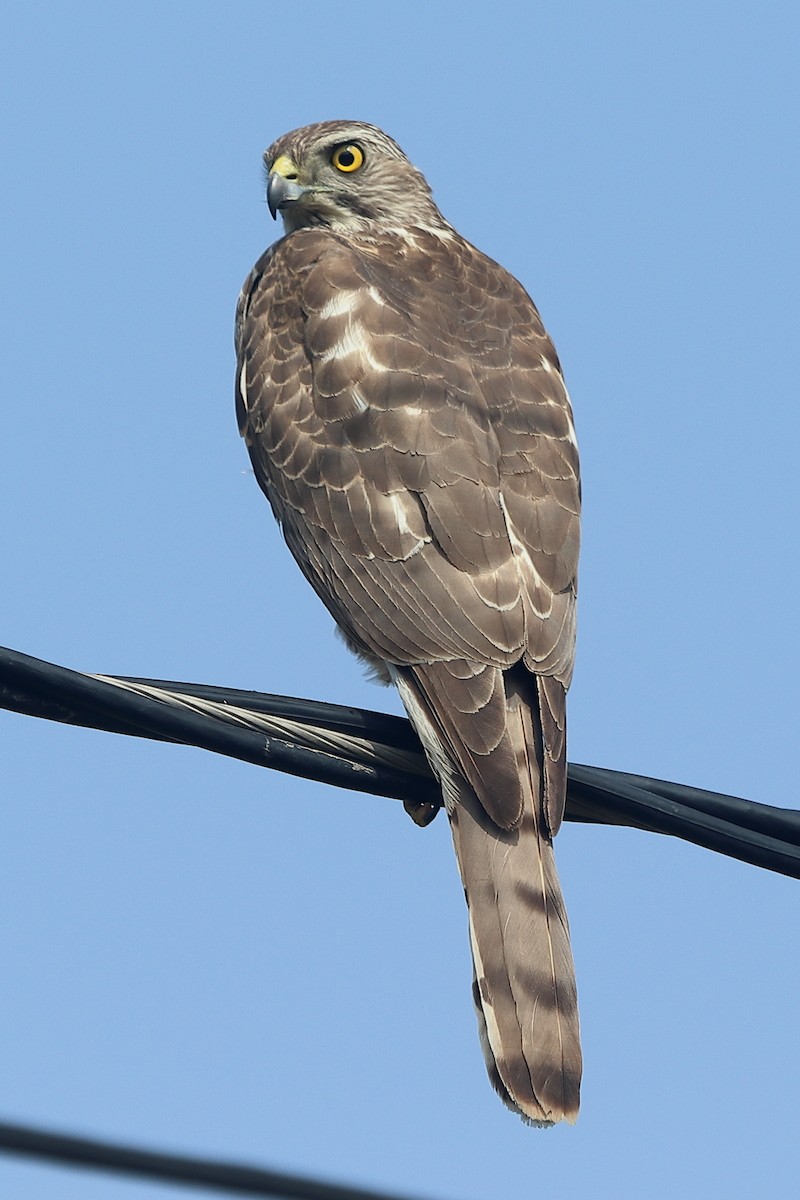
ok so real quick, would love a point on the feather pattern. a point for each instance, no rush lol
(406, 417)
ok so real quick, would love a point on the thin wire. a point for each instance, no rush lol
(375, 753)
(233, 1178)
(358, 749)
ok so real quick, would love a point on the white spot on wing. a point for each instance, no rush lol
(343, 301)
(352, 341)
(571, 435)
(549, 369)
(401, 517)
(359, 403)
(527, 565)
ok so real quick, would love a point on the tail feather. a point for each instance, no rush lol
(524, 987)
(524, 979)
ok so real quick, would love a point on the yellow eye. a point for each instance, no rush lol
(348, 158)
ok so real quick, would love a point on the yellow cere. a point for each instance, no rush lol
(347, 158)
(284, 166)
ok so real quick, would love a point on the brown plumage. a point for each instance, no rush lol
(407, 419)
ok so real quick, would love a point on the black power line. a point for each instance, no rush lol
(361, 751)
(233, 1178)
(372, 752)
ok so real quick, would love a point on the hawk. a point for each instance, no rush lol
(406, 416)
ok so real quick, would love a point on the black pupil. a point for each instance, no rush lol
(346, 158)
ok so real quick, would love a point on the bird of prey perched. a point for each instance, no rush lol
(406, 417)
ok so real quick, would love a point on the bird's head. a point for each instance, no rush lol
(346, 175)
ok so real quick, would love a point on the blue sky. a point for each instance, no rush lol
(207, 957)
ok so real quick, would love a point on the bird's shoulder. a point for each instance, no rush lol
(408, 267)
(376, 330)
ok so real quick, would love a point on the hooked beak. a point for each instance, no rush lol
(282, 185)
